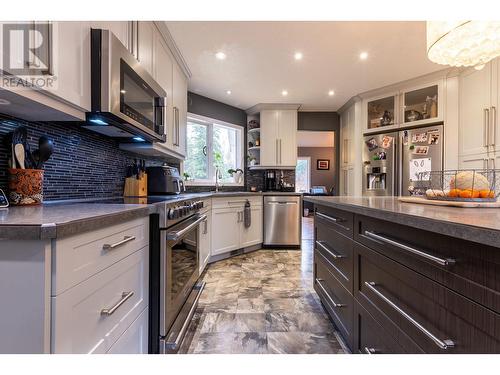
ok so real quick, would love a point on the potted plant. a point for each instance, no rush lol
(236, 174)
(186, 176)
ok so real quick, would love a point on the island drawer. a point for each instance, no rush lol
(468, 268)
(339, 220)
(79, 257)
(370, 337)
(90, 317)
(335, 298)
(336, 251)
(436, 318)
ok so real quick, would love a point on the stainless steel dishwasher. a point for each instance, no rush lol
(282, 220)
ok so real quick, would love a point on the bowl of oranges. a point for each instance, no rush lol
(464, 185)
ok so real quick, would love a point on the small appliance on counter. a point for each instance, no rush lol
(164, 180)
(274, 181)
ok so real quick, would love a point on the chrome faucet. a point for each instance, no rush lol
(218, 176)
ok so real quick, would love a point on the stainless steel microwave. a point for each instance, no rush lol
(126, 102)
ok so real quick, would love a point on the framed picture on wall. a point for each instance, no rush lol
(323, 164)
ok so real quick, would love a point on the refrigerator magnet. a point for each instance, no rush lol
(419, 137)
(433, 138)
(421, 150)
(386, 141)
(372, 144)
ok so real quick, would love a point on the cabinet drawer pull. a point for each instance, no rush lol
(334, 304)
(327, 249)
(368, 350)
(442, 344)
(329, 218)
(125, 297)
(440, 261)
(118, 244)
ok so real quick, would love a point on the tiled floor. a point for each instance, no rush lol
(262, 302)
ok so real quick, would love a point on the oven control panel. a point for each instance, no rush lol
(183, 209)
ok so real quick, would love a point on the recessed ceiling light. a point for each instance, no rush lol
(298, 56)
(363, 55)
(220, 55)
(331, 93)
(284, 93)
(228, 92)
(4, 102)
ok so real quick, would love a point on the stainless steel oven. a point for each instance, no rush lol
(126, 102)
(179, 272)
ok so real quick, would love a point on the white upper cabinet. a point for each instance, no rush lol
(405, 106)
(269, 138)
(278, 135)
(475, 100)
(287, 133)
(145, 43)
(163, 65)
(179, 110)
(347, 137)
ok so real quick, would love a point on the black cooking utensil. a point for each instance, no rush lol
(45, 150)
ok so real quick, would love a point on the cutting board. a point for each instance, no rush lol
(449, 203)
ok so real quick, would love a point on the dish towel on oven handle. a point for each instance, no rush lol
(247, 216)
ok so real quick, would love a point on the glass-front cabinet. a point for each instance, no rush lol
(381, 112)
(414, 106)
(421, 104)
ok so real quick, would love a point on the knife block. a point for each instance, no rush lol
(136, 187)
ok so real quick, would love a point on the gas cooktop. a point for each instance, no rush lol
(153, 199)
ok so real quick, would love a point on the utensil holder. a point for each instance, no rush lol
(25, 187)
(136, 187)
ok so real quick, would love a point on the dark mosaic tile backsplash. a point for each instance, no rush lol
(84, 164)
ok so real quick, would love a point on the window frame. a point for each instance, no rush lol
(308, 158)
(240, 153)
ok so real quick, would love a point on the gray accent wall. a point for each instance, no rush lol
(321, 177)
(324, 121)
(204, 106)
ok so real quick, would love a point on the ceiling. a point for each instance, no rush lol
(315, 138)
(260, 59)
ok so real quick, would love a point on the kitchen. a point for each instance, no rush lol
(172, 191)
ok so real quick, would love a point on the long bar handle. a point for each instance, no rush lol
(327, 249)
(174, 236)
(174, 346)
(126, 239)
(440, 261)
(442, 344)
(329, 218)
(494, 125)
(125, 297)
(334, 304)
(486, 125)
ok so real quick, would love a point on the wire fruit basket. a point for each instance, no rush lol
(465, 185)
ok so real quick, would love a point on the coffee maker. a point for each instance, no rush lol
(271, 180)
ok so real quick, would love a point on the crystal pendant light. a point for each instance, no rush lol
(463, 43)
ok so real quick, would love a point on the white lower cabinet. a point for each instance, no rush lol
(253, 235)
(205, 236)
(135, 339)
(91, 316)
(228, 229)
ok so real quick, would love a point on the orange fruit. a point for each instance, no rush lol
(468, 193)
(454, 193)
(487, 194)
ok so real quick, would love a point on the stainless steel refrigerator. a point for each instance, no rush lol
(421, 151)
(393, 163)
(380, 164)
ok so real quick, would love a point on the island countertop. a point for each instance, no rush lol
(58, 220)
(481, 225)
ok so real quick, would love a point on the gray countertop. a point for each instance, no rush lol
(480, 225)
(60, 219)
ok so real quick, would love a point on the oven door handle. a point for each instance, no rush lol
(175, 235)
